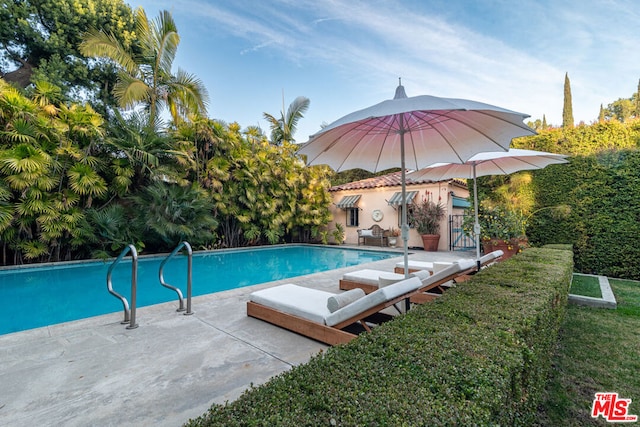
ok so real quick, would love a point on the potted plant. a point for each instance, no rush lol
(425, 218)
(393, 237)
(500, 228)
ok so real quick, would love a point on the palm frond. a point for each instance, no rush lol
(130, 90)
(166, 40)
(86, 181)
(99, 44)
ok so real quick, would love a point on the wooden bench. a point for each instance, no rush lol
(374, 235)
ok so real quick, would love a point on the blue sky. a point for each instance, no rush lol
(345, 55)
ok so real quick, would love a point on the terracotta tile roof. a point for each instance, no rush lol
(389, 180)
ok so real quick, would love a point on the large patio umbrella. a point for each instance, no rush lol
(413, 132)
(488, 163)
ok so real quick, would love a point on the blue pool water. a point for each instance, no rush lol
(40, 296)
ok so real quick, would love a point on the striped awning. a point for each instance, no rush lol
(396, 200)
(461, 202)
(348, 202)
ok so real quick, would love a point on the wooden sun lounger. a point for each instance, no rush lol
(367, 279)
(414, 265)
(303, 311)
(437, 283)
(432, 285)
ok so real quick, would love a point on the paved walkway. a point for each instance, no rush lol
(95, 372)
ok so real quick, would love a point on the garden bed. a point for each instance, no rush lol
(586, 286)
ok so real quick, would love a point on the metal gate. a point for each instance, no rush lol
(457, 238)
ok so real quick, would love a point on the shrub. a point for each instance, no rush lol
(496, 222)
(603, 193)
(479, 355)
(426, 217)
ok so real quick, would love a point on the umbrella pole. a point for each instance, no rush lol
(405, 226)
(476, 225)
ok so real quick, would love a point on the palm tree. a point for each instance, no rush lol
(283, 129)
(139, 152)
(170, 213)
(145, 70)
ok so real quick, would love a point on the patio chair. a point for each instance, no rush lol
(431, 287)
(307, 311)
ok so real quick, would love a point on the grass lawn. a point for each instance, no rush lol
(598, 351)
(587, 286)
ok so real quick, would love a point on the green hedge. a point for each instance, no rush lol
(480, 355)
(603, 193)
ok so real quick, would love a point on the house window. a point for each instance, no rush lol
(409, 212)
(352, 217)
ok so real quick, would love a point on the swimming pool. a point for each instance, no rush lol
(31, 297)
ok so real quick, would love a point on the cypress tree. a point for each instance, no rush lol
(601, 115)
(544, 122)
(567, 110)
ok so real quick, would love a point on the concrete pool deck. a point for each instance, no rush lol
(95, 372)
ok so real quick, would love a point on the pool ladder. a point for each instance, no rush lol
(187, 246)
(130, 313)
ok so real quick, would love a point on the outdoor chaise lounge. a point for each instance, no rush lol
(372, 280)
(429, 266)
(309, 311)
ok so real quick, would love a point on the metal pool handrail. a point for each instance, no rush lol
(129, 314)
(189, 277)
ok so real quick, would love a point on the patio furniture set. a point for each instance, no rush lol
(338, 318)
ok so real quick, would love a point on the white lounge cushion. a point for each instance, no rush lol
(311, 304)
(387, 279)
(366, 233)
(455, 268)
(337, 301)
(421, 274)
(417, 265)
(373, 299)
(491, 256)
(437, 266)
(369, 277)
(304, 302)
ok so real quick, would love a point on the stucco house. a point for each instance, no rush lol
(361, 204)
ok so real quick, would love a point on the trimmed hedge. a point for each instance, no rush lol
(480, 355)
(603, 192)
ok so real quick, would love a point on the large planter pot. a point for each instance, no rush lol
(509, 247)
(430, 242)
(393, 241)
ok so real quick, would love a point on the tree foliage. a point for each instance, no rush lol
(145, 68)
(583, 139)
(262, 193)
(73, 186)
(283, 129)
(39, 41)
(602, 191)
(589, 203)
(567, 109)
